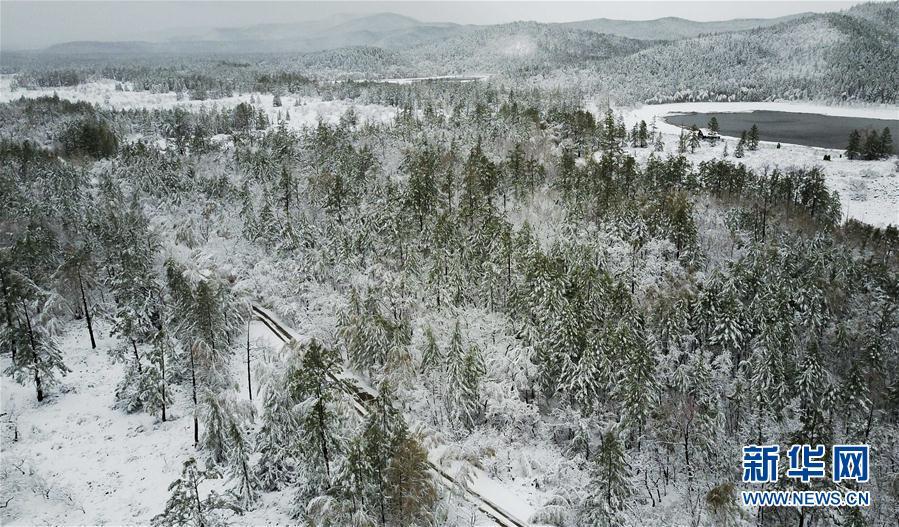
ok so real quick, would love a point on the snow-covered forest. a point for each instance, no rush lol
(253, 291)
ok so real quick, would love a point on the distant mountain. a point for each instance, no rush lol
(384, 30)
(851, 55)
(837, 56)
(673, 28)
(522, 46)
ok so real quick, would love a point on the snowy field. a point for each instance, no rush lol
(304, 111)
(80, 460)
(869, 190)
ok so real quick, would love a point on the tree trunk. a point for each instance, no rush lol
(321, 432)
(249, 378)
(199, 507)
(193, 382)
(9, 317)
(136, 356)
(162, 367)
(37, 377)
(87, 313)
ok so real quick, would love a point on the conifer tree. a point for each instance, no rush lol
(410, 486)
(682, 143)
(38, 358)
(694, 140)
(610, 488)
(186, 507)
(385, 430)
(643, 135)
(312, 383)
(432, 357)
(76, 269)
(638, 387)
(886, 143)
(206, 318)
(239, 468)
(464, 371)
(286, 185)
(752, 140)
(872, 148)
(421, 193)
(853, 150)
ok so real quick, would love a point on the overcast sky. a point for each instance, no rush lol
(37, 24)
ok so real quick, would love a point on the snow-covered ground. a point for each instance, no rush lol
(457, 78)
(869, 190)
(304, 111)
(80, 460)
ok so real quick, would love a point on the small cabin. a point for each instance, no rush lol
(706, 133)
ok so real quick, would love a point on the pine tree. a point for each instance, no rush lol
(145, 387)
(276, 440)
(287, 189)
(220, 415)
(239, 469)
(432, 357)
(872, 146)
(659, 143)
(694, 140)
(886, 143)
(853, 150)
(76, 269)
(385, 430)
(713, 125)
(638, 388)
(185, 507)
(363, 333)
(682, 143)
(590, 377)
(464, 371)
(643, 135)
(609, 141)
(421, 193)
(409, 484)
(610, 486)
(312, 383)
(752, 140)
(206, 318)
(741, 144)
(38, 358)
(356, 478)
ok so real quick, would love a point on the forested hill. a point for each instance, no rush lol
(848, 55)
(851, 55)
(523, 46)
(673, 28)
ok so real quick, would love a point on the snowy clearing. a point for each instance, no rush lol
(303, 111)
(86, 461)
(869, 190)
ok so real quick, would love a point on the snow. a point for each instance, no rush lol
(88, 462)
(411, 80)
(869, 190)
(304, 111)
(112, 467)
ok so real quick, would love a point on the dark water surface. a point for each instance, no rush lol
(808, 129)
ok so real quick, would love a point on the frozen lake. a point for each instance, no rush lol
(810, 129)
